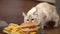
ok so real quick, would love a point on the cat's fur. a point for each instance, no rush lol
(42, 13)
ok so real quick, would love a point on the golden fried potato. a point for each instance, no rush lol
(12, 24)
(15, 32)
(11, 27)
(32, 32)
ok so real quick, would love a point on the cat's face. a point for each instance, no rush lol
(30, 18)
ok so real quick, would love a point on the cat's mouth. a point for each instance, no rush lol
(29, 26)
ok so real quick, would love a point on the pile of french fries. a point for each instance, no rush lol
(14, 29)
(11, 28)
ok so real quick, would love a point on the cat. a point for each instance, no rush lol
(42, 13)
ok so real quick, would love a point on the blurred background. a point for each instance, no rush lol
(11, 11)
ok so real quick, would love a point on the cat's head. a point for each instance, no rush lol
(30, 16)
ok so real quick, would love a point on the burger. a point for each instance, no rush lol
(29, 26)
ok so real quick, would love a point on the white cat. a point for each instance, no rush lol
(42, 13)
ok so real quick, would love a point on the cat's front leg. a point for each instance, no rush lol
(41, 29)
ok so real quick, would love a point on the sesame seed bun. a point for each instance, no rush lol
(28, 24)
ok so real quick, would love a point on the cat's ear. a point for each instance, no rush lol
(23, 14)
(35, 10)
(36, 13)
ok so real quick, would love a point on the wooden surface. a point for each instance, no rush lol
(11, 11)
(52, 31)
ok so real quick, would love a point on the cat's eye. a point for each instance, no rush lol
(27, 19)
(32, 19)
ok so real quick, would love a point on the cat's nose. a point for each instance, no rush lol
(30, 21)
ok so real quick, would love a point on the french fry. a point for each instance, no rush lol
(11, 27)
